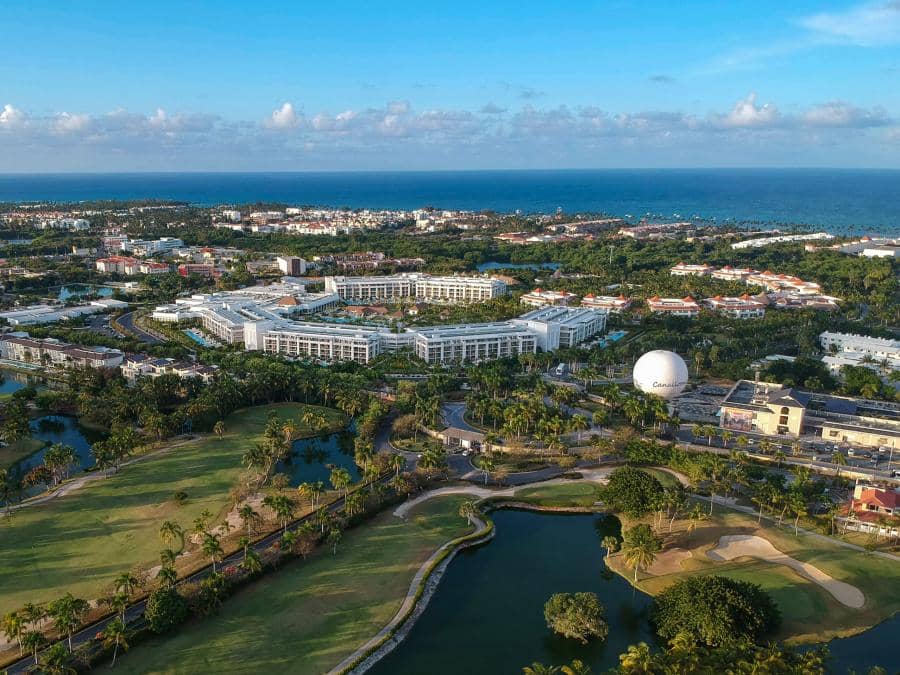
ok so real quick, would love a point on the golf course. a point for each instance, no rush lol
(78, 542)
(311, 614)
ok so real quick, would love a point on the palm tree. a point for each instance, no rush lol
(397, 463)
(639, 547)
(838, 458)
(251, 563)
(353, 503)
(487, 465)
(611, 544)
(115, 636)
(32, 641)
(334, 538)
(13, 627)
(283, 506)
(726, 437)
(212, 549)
(468, 510)
(538, 668)
(169, 531)
(341, 479)
(576, 667)
(695, 515)
(579, 423)
(59, 661)
(637, 660)
(219, 428)
(127, 583)
(167, 576)
(67, 613)
(249, 517)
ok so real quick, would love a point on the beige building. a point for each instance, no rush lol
(772, 409)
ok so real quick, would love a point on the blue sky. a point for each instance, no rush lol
(394, 85)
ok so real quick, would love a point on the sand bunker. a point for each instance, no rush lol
(668, 562)
(737, 545)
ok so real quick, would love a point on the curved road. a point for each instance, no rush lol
(127, 322)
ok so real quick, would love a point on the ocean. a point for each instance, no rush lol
(836, 200)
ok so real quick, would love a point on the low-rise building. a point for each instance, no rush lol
(773, 409)
(686, 307)
(729, 273)
(291, 265)
(135, 366)
(610, 303)
(542, 298)
(200, 269)
(50, 353)
(38, 314)
(743, 307)
(684, 270)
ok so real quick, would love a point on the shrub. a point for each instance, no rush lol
(576, 615)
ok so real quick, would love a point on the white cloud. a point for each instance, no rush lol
(69, 123)
(394, 133)
(868, 25)
(843, 114)
(11, 116)
(284, 117)
(747, 114)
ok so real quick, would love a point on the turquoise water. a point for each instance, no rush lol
(866, 200)
(312, 459)
(486, 616)
(195, 337)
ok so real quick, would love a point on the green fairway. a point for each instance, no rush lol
(809, 611)
(311, 614)
(576, 493)
(78, 542)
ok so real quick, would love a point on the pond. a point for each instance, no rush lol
(860, 653)
(60, 429)
(487, 615)
(12, 381)
(76, 290)
(312, 459)
(494, 265)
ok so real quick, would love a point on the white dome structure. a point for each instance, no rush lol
(660, 373)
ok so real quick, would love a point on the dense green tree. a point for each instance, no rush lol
(716, 611)
(579, 616)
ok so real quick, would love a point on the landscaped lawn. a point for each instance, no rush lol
(79, 542)
(576, 493)
(310, 615)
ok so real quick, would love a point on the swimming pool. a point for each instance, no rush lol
(196, 337)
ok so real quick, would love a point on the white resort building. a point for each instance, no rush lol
(416, 286)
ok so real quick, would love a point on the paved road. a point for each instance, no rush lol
(453, 415)
(127, 322)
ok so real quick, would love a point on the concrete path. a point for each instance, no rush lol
(740, 545)
(592, 475)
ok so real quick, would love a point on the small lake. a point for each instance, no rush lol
(12, 381)
(487, 615)
(63, 429)
(312, 459)
(876, 647)
(494, 265)
(78, 290)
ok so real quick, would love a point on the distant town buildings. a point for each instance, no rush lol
(781, 239)
(656, 230)
(38, 314)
